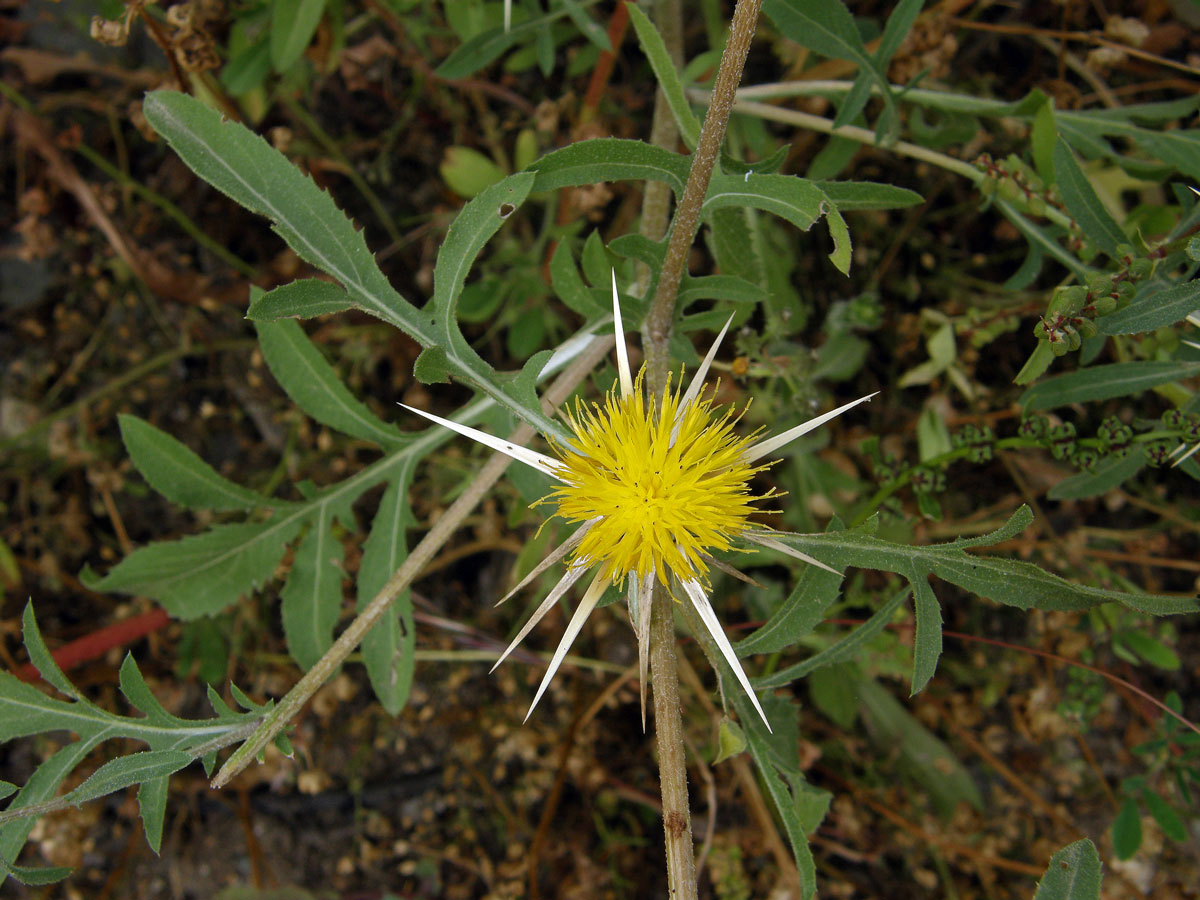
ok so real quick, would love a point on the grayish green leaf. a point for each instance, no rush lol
(180, 475)
(300, 299)
(302, 371)
(389, 647)
(1154, 308)
(202, 574)
(1082, 203)
(152, 806)
(118, 774)
(312, 597)
(1105, 382)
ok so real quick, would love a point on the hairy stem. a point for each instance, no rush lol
(672, 763)
(656, 335)
(421, 555)
(660, 321)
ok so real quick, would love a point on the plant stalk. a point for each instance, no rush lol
(656, 336)
(410, 569)
(660, 321)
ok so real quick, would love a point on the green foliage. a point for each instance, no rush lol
(173, 743)
(1073, 874)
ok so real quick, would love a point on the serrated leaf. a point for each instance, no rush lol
(667, 76)
(311, 599)
(242, 165)
(303, 372)
(1154, 309)
(1073, 874)
(389, 647)
(202, 574)
(118, 774)
(152, 806)
(293, 24)
(1105, 382)
(179, 474)
(301, 299)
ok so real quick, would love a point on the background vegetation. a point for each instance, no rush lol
(1019, 288)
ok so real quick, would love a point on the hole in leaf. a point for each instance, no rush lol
(506, 210)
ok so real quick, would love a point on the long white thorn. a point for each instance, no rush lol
(572, 575)
(693, 390)
(531, 458)
(622, 352)
(772, 544)
(586, 605)
(770, 445)
(707, 615)
(507, 16)
(645, 588)
(554, 556)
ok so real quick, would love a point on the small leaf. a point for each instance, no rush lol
(731, 741)
(1127, 830)
(40, 656)
(1073, 874)
(311, 599)
(152, 805)
(301, 299)
(35, 876)
(851, 195)
(179, 474)
(927, 644)
(1111, 472)
(293, 24)
(1168, 820)
(468, 172)
(1150, 649)
(118, 774)
(389, 647)
(7, 789)
(302, 371)
(1082, 203)
(667, 76)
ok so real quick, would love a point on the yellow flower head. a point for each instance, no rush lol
(656, 485)
(665, 484)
